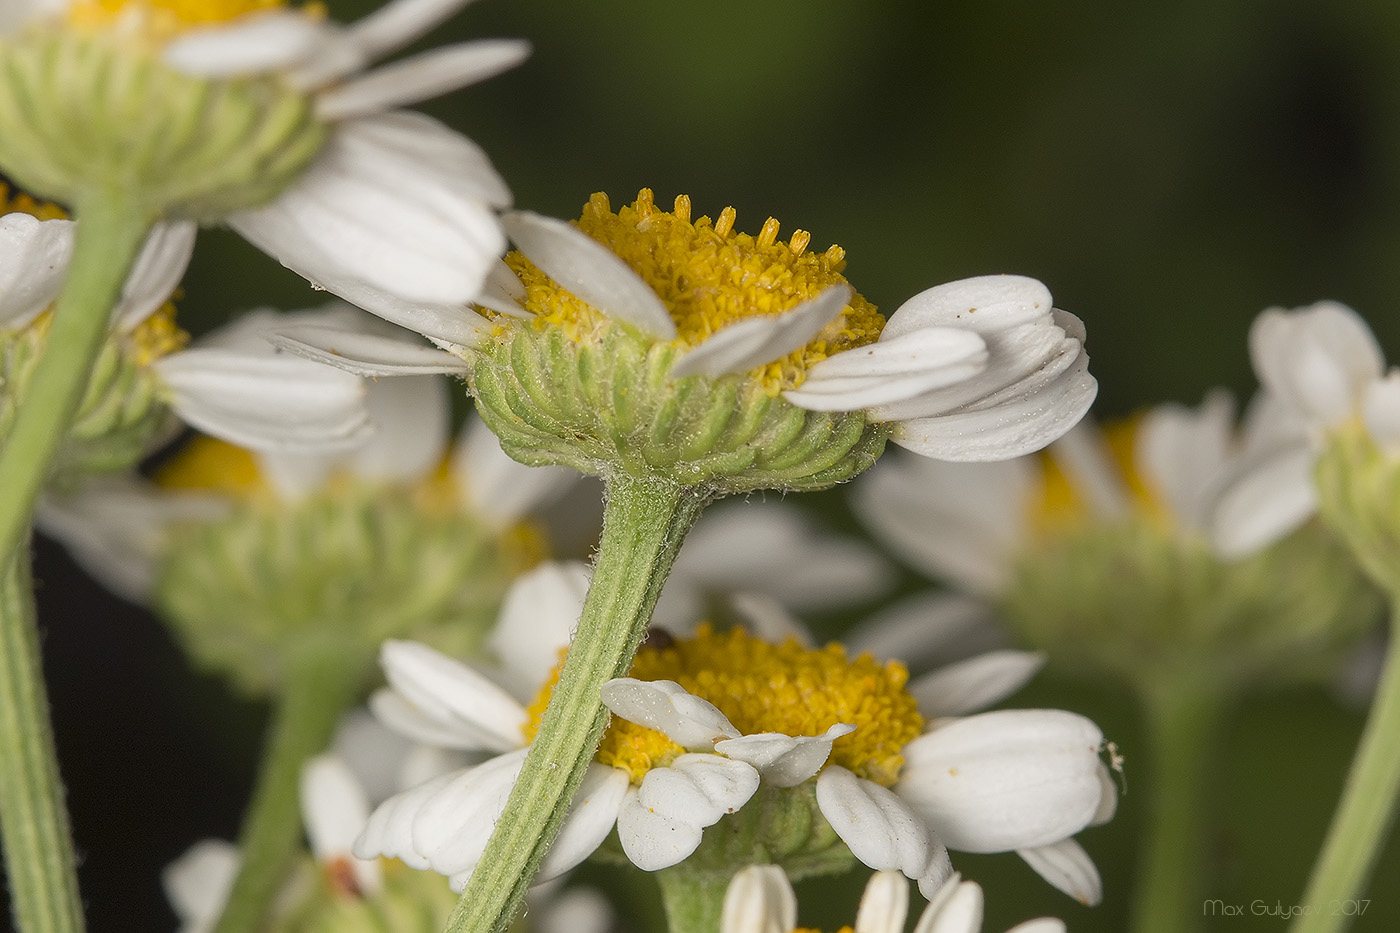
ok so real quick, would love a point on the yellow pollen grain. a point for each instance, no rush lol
(1063, 507)
(15, 201)
(708, 277)
(207, 464)
(157, 336)
(770, 688)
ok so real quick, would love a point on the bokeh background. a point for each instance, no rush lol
(1168, 169)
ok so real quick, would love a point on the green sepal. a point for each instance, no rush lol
(355, 566)
(87, 112)
(608, 407)
(408, 902)
(1358, 487)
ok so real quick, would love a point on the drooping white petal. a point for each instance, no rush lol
(1010, 779)
(891, 371)
(1108, 801)
(1183, 451)
(1317, 359)
(421, 77)
(503, 292)
(590, 819)
(334, 809)
(1040, 925)
(396, 24)
(984, 304)
(373, 752)
(118, 529)
(451, 827)
(537, 621)
(768, 619)
(1067, 867)
(34, 257)
(453, 693)
(365, 354)
(666, 706)
(1083, 453)
(960, 522)
(660, 823)
(198, 883)
(269, 41)
(157, 271)
(389, 831)
(784, 760)
(405, 719)
(957, 910)
(500, 489)
(1009, 429)
(576, 910)
(976, 683)
(884, 904)
(1380, 410)
(1263, 500)
(756, 341)
(929, 628)
(590, 270)
(939, 870)
(880, 829)
(395, 201)
(265, 402)
(760, 899)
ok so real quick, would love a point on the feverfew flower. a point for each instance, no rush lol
(144, 366)
(717, 726)
(263, 115)
(760, 899)
(646, 342)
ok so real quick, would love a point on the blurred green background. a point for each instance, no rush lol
(1169, 170)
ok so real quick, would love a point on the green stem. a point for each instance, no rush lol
(108, 238)
(1367, 808)
(694, 900)
(643, 525)
(1183, 721)
(321, 684)
(33, 820)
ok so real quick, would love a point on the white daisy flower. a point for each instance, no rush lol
(760, 899)
(980, 369)
(679, 756)
(394, 203)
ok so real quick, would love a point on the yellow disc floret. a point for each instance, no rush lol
(207, 464)
(762, 687)
(15, 201)
(1063, 507)
(156, 22)
(708, 277)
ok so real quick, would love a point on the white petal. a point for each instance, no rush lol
(767, 618)
(940, 869)
(590, 819)
(157, 271)
(576, 910)
(197, 884)
(1380, 408)
(453, 693)
(248, 45)
(34, 257)
(929, 628)
(451, 827)
(1040, 925)
(365, 354)
(1084, 455)
(959, 910)
(500, 489)
(373, 750)
(759, 899)
(660, 823)
(757, 341)
(421, 77)
(1068, 867)
(1008, 430)
(265, 403)
(334, 809)
(891, 371)
(784, 760)
(984, 304)
(396, 24)
(536, 622)
(395, 201)
(959, 522)
(590, 270)
(1184, 451)
(1009, 779)
(880, 829)
(118, 529)
(389, 831)
(667, 707)
(1318, 359)
(976, 683)
(1263, 501)
(884, 904)
(503, 291)
(411, 418)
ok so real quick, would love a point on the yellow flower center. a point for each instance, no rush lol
(708, 277)
(1063, 507)
(15, 201)
(769, 688)
(207, 464)
(159, 21)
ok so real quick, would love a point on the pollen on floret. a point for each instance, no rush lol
(1062, 506)
(708, 277)
(157, 336)
(208, 464)
(158, 21)
(16, 201)
(763, 687)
